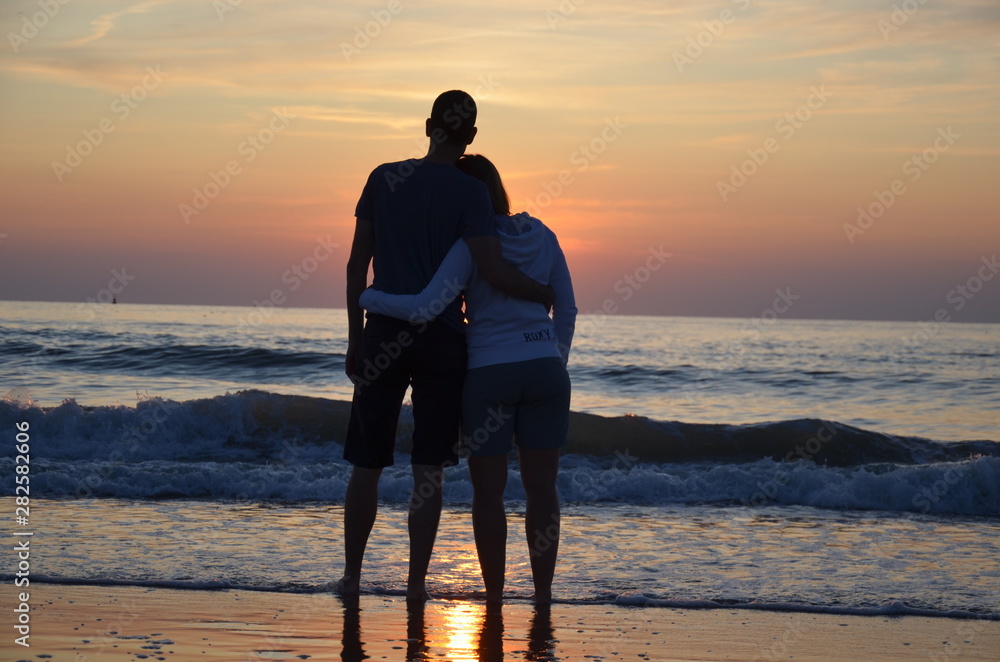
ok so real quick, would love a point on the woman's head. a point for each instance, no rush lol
(483, 169)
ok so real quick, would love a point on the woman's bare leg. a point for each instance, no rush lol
(489, 520)
(539, 470)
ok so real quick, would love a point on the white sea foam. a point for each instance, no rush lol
(971, 487)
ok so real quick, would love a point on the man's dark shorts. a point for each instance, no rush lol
(397, 354)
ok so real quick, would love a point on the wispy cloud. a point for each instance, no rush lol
(104, 24)
(354, 116)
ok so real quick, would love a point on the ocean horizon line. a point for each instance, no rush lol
(786, 317)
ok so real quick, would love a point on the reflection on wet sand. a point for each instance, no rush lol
(541, 635)
(490, 648)
(353, 648)
(452, 630)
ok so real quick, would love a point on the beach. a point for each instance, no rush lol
(129, 623)
(766, 239)
(817, 491)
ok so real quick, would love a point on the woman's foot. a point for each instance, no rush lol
(542, 598)
(348, 586)
(417, 594)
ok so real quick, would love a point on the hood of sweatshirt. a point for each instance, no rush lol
(522, 236)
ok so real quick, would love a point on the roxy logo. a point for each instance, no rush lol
(535, 336)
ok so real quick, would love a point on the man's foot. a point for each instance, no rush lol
(494, 598)
(347, 586)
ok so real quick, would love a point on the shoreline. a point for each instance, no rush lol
(76, 622)
(890, 609)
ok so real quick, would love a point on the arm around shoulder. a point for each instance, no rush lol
(448, 282)
(488, 256)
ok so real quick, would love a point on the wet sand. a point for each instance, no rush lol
(136, 623)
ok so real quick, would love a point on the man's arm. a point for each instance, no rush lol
(506, 277)
(362, 250)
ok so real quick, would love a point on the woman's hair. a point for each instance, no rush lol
(483, 169)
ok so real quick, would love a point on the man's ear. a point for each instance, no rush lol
(427, 127)
(472, 134)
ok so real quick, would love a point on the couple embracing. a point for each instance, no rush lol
(436, 231)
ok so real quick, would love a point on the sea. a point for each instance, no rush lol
(799, 465)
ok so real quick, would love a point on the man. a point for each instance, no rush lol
(409, 215)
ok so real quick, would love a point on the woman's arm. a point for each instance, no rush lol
(448, 282)
(564, 309)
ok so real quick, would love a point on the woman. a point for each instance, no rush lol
(516, 386)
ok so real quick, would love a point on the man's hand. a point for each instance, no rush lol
(353, 358)
(505, 277)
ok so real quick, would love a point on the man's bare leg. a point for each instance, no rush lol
(360, 509)
(489, 521)
(425, 514)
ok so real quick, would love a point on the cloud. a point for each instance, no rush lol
(354, 116)
(106, 23)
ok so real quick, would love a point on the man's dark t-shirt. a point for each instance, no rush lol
(419, 210)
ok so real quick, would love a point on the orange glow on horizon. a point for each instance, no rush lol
(753, 154)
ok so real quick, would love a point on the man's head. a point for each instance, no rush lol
(453, 119)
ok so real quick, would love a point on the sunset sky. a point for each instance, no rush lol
(200, 152)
